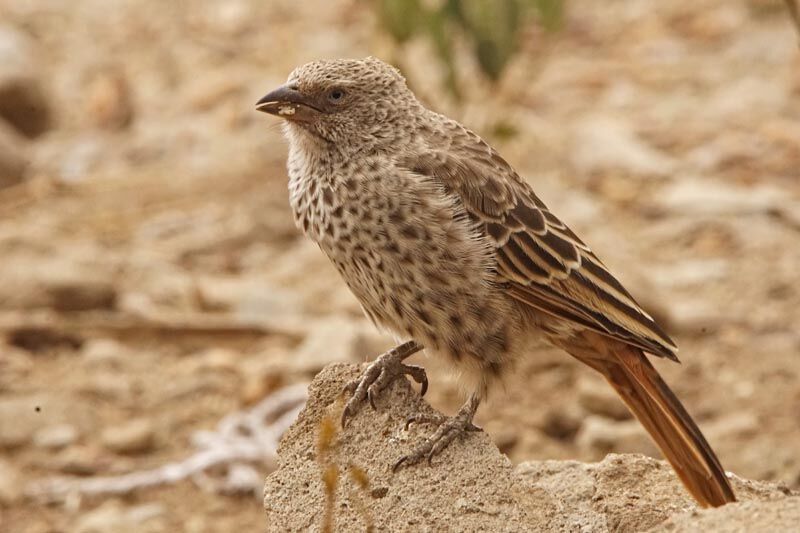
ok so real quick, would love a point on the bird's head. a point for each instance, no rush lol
(343, 101)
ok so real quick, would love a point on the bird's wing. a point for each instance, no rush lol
(545, 265)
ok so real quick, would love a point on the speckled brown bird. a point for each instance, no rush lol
(446, 246)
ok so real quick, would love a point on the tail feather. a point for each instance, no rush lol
(657, 408)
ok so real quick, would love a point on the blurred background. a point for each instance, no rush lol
(153, 284)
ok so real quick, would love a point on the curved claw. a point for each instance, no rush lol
(449, 430)
(399, 463)
(350, 387)
(345, 415)
(379, 374)
(418, 374)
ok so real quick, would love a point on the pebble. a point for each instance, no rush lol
(697, 196)
(695, 316)
(55, 437)
(83, 294)
(562, 421)
(111, 386)
(78, 461)
(736, 427)
(23, 103)
(335, 340)
(247, 297)
(688, 272)
(113, 517)
(598, 398)
(215, 359)
(15, 365)
(103, 352)
(108, 101)
(19, 420)
(243, 479)
(607, 143)
(603, 435)
(133, 437)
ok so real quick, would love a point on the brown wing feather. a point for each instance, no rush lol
(545, 265)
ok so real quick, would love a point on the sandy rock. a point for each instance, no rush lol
(749, 517)
(471, 486)
(22, 100)
(420, 499)
(55, 437)
(136, 436)
(13, 161)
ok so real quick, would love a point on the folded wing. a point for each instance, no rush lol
(544, 264)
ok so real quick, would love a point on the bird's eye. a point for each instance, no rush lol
(336, 95)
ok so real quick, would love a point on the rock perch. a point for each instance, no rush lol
(473, 487)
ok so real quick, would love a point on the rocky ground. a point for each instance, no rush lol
(153, 282)
(341, 480)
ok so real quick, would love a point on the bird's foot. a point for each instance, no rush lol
(386, 368)
(449, 429)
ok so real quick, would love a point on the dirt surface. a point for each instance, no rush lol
(153, 282)
(471, 486)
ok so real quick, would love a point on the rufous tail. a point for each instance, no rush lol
(649, 398)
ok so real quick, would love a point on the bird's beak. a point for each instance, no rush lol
(289, 103)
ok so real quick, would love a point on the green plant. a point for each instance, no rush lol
(493, 27)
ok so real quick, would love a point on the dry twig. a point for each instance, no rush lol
(162, 323)
(242, 437)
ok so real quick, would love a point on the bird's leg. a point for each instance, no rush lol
(449, 429)
(386, 368)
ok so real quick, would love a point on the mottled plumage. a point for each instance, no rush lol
(445, 245)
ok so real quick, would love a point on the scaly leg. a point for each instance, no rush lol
(385, 369)
(449, 429)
